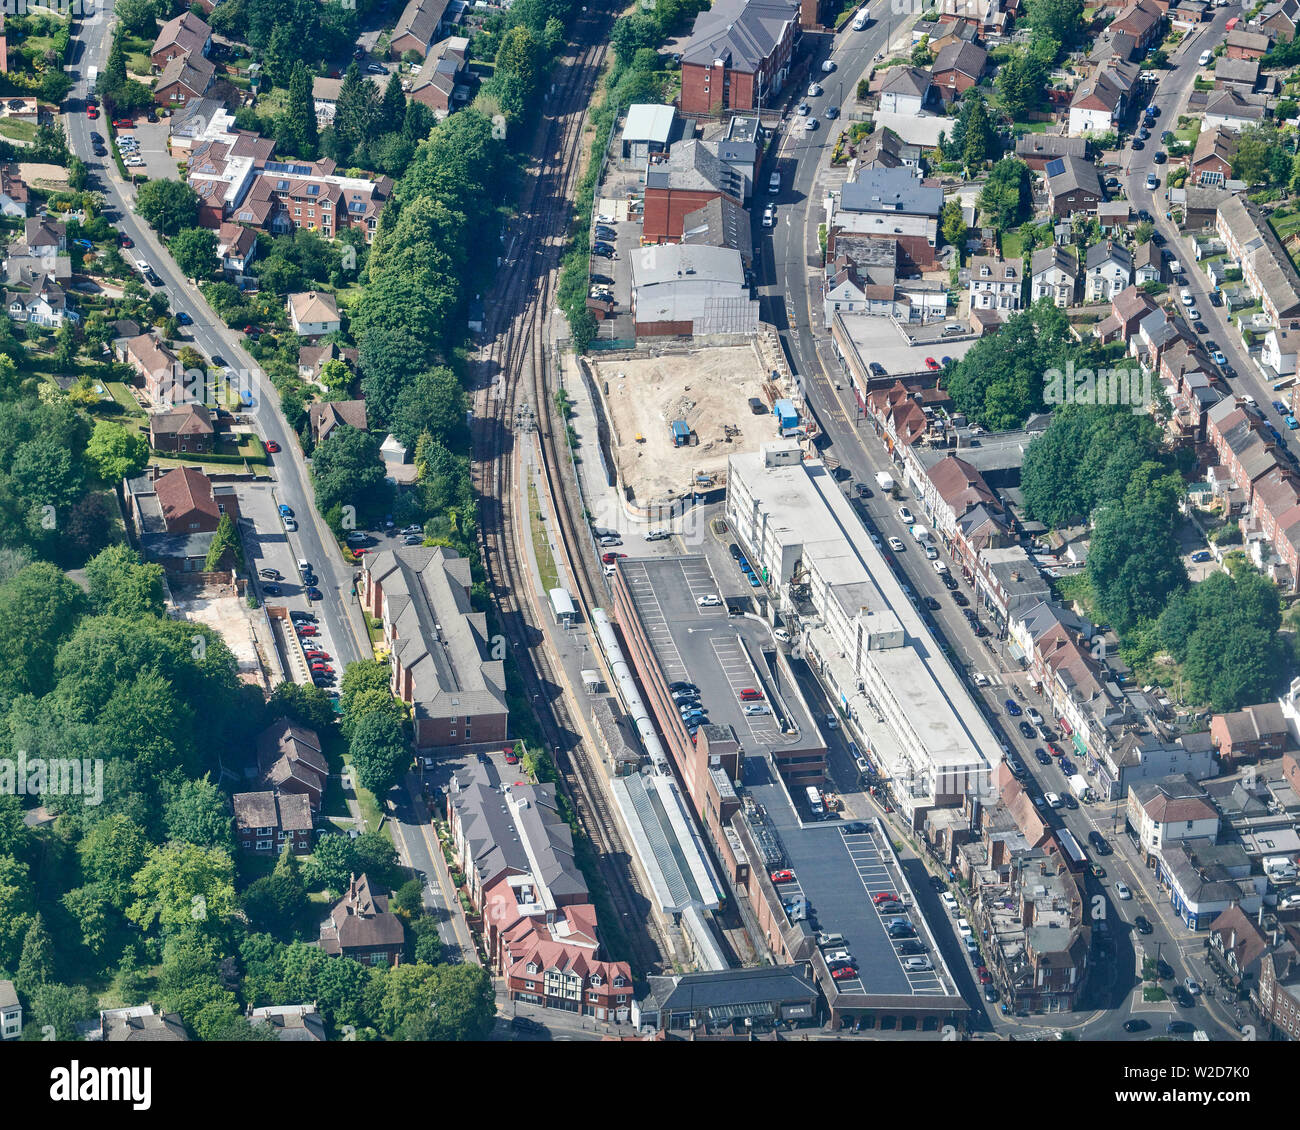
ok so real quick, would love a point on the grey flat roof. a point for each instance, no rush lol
(891, 190)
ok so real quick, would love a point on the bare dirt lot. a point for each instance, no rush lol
(222, 610)
(709, 389)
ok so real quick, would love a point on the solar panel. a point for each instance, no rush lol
(1055, 167)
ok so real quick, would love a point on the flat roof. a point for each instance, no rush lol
(839, 872)
(884, 341)
(720, 654)
(667, 842)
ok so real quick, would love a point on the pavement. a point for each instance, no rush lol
(339, 611)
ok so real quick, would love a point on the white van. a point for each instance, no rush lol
(1204, 60)
(1053, 800)
(963, 928)
(860, 20)
(774, 183)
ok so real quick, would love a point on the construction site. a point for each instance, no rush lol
(675, 418)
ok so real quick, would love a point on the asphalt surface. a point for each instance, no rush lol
(210, 335)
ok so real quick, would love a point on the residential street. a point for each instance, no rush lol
(211, 336)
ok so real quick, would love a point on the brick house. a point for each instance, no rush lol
(1244, 44)
(418, 27)
(188, 428)
(445, 665)
(361, 926)
(1212, 158)
(289, 760)
(266, 821)
(156, 365)
(1072, 186)
(958, 67)
(1250, 733)
(687, 178)
(737, 56)
(185, 35)
(327, 415)
(1279, 985)
(187, 78)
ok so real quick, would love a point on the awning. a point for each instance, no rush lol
(1080, 746)
(1065, 726)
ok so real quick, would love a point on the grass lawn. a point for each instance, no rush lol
(123, 396)
(541, 543)
(138, 62)
(17, 129)
(273, 101)
(1012, 246)
(1189, 134)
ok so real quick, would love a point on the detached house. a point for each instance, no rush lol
(1072, 186)
(236, 248)
(290, 762)
(13, 193)
(1054, 274)
(265, 822)
(1244, 44)
(1281, 347)
(441, 82)
(327, 415)
(957, 67)
(905, 91)
(362, 927)
(185, 35)
(187, 428)
(1108, 269)
(42, 304)
(313, 313)
(420, 25)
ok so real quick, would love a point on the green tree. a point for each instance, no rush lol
(515, 77)
(463, 1004)
(306, 704)
(116, 453)
(181, 885)
(224, 542)
(347, 470)
(36, 964)
(199, 813)
(1059, 20)
(434, 402)
(379, 752)
(168, 206)
(17, 909)
(121, 584)
(301, 113)
(355, 111)
(979, 135)
(57, 1007)
(1007, 194)
(112, 852)
(39, 608)
(954, 225)
(195, 252)
(1134, 563)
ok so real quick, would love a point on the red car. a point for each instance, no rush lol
(883, 896)
(610, 558)
(123, 123)
(313, 654)
(932, 364)
(307, 630)
(749, 694)
(252, 331)
(844, 973)
(92, 111)
(986, 978)
(1054, 749)
(125, 240)
(512, 758)
(321, 669)
(272, 447)
(783, 876)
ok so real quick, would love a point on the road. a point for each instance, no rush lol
(1171, 99)
(212, 337)
(791, 293)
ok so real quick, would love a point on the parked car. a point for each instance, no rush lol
(757, 708)
(905, 516)
(1201, 555)
(708, 601)
(1142, 924)
(1013, 708)
(785, 875)
(1136, 1025)
(1041, 755)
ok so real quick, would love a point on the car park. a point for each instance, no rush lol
(656, 535)
(757, 708)
(784, 875)
(932, 365)
(844, 972)
(910, 947)
(683, 687)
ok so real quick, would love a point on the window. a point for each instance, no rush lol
(263, 845)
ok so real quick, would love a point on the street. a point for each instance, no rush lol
(212, 337)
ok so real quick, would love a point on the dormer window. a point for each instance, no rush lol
(532, 967)
(1011, 272)
(985, 271)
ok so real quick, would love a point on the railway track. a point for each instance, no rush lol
(511, 399)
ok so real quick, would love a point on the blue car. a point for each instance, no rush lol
(1292, 423)
(271, 590)
(754, 582)
(1013, 708)
(314, 594)
(1201, 555)
(85, 244)
(1280, 407)
(285, 511)
(183, 318)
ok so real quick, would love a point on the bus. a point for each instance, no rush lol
(1075, 857)
(815, 802)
